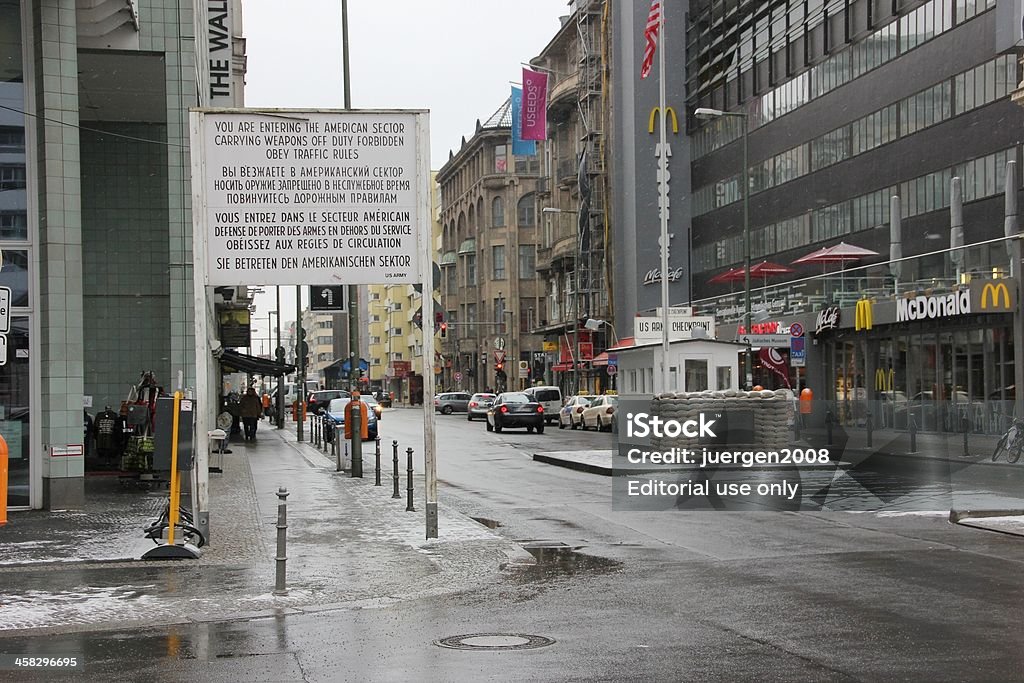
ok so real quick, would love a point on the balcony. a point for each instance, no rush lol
(564, 89)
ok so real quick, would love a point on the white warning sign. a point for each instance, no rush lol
(294, 196)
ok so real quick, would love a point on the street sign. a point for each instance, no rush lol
(5, 310)
(612, 370)
(499, 343)
(524, 369)
(673, 311)
(458, 376)
(499, 356)
(797, 352)
(327, 297)
(3, 349)
(796, 330)
(770, 340)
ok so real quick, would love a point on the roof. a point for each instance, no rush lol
(253, 364)
(630, 343)
(502, 118)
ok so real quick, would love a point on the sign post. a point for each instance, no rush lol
(290, 197)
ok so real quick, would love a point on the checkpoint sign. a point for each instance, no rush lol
(299, 196)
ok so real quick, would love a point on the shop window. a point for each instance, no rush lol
(696, 371)
(723, 376)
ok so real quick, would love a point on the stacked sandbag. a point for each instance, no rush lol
(772, 414)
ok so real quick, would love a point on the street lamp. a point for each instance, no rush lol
(707, 113)
(576, 299)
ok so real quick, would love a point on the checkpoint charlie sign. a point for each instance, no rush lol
(295, 196)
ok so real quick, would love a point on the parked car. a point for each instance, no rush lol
(369, 400)
(929, 414)
(515, 409)
(550, 398)
(600, 414)
(478, 405)
(451, 402)
(336, 411)
(571, 414)
(319, 400)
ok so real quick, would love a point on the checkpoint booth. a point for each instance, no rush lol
(693, 365)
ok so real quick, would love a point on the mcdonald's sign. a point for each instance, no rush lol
(884, 379)
(670, 117)
(993, 293)
(862, 318)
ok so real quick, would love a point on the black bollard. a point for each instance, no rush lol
(376, 479)
(409, 506)
(966, 425)
(871, 427)
(913, 434)
(394, 446)
(828, 428)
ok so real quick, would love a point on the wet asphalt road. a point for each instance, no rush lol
(636, 595)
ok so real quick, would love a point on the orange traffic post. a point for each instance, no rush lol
(3, 481)
(806, 401)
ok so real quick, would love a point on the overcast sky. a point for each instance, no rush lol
(453, 57)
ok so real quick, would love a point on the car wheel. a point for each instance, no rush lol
(561, 425)
(600, 425)
(489, 427)
(447, 410)
(469, 418)
(540, 429)
(529, 430)
(497, 427)
(572, 424)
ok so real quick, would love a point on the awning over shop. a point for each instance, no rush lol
(561, 367)
(241, 362)
(601, 359)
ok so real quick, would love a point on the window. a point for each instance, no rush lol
(500, 159)
(470, 269)
(526, 212)
(527, 262)
(696, 372)
(12, 139)
(498, 258)
(497, 212)
(724, 377)
(12, 177)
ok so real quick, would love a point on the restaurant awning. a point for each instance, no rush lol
(241, 362)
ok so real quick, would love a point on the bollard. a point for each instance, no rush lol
(871, 427)
(828, 428)
(376, 479)
(913, 434)
(337, 446)
(346, 460)
(394, 446)
(282, 526)
(409, 506)
(3, 481)
(325, 428)
(357, 438)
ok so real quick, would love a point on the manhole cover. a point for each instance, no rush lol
(495, 641)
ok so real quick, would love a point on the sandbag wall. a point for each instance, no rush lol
(773, 413)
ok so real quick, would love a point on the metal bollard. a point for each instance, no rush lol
(394, 446)
(871, 427)
(828, 428)
(282, 527)
(337, 446)
(325, 429)
(376, 480)
(409, 506)
(913, 434)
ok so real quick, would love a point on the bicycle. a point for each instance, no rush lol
(1012, 441)
(156, 530)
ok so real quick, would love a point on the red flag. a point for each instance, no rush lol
(651, 36)
(773, 360)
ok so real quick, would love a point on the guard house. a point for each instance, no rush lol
(693, 365)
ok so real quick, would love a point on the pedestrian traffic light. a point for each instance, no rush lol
(444, 330)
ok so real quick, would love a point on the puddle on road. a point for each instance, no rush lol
(557, 560)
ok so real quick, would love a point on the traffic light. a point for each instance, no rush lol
(444, 330)
(499, 366)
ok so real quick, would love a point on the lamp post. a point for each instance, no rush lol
(576, 300)
(706, 113)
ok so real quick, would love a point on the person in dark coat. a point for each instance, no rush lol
(250, 409)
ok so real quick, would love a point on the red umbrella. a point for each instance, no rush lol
(731, 275)
(837, 253)
(766, 268)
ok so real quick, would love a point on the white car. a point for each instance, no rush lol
(600, 414)
(571, 414)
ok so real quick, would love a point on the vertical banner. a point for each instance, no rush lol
(773, 360)
(535, 103)
(217, 76)
(520, 147)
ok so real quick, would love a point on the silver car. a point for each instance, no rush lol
(451, 402)
(478, 405)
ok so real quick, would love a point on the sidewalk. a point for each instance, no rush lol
(350, 544)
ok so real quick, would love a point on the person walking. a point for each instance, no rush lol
(250, 409)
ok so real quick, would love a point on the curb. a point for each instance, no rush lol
(573, 465)
(956, 515)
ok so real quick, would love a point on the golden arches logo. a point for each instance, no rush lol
(670, 117)
(863, 315)
(884, 379)
(995, 292)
